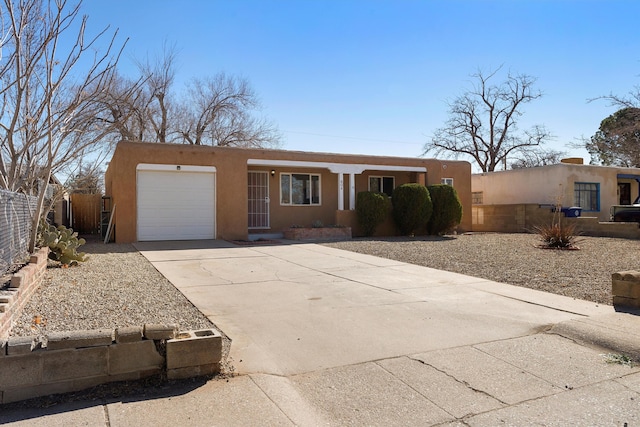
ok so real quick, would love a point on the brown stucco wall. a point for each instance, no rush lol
(231, 183)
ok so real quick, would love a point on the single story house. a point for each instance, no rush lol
(182, 192)
(569, 183)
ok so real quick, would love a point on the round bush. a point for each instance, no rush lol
(447, 209)
(411, 207)
(371, 209)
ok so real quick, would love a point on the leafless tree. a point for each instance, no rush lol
(49, 95)
(533, 158)
(215, 110)
(483, 122)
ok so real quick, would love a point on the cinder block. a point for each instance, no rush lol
(20, 370)
(131, 357)
(628, 275)
(193, 371)
(129, 334)
(621, 287)
(202, 347)
(29, 392)
(625, 288)
(62, 365)
(159, 332)
(22, 345)
(16, 280)
(79, 339)
(619, 301)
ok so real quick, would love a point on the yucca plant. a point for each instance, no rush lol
(557, 234)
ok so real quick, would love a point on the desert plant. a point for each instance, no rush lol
(371, 209)
(411, 207)
(63, 243)
(447, 209)
(557, 234)
(317, 224)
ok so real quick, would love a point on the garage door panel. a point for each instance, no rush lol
(176, 205)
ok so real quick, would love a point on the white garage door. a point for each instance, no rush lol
(176, 204)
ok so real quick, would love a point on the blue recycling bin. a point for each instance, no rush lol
(574, 211)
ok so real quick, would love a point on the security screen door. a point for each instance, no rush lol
(258, 200)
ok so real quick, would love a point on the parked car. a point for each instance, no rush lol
(625, 213)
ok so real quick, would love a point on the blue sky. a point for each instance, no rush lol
(374, 77)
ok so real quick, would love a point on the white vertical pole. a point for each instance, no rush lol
(340, 191)
(352, 191)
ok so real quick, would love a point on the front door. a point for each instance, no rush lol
(624, 188)
(258, 200)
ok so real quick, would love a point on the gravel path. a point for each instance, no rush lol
(515, 259)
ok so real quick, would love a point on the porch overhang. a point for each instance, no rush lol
(339, 168)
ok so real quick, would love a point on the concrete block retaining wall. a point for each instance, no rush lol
(72, 361)
(23, 284)
(625, 288)
(522, 218)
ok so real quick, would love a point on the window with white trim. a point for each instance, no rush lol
(299, 189)
(382, 184)
(447, 181)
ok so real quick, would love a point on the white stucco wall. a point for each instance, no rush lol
(553, 184)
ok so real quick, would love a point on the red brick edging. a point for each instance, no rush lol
(23, 284)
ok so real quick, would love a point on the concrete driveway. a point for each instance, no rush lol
(296, 308)
(325, 337)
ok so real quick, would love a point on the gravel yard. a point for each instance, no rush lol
(515, 259)
(118, 287)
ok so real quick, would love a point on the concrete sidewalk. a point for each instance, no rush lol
(328, 337)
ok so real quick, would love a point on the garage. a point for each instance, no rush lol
(175, 202)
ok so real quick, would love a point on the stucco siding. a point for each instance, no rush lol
(553, 184)
(232, 167)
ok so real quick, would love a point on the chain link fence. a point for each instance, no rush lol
(15, 224)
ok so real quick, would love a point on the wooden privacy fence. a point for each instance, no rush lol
(85, 210)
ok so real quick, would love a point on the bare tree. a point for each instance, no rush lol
(158, 76)
(483, 122)
(534, 158)
(216, 112)
(50, 105)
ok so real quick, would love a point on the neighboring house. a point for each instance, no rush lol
(181, 192)
(570, 183)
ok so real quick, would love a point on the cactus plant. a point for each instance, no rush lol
(63, 243)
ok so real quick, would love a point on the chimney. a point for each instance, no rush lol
(573, 160)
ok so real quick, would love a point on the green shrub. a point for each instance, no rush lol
(447, 209)
(411, 208)
(63, 243)
(371, 209)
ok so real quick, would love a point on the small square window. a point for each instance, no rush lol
(447, 181)
(476, 198)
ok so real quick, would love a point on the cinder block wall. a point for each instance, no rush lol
(23, 284)
(522, 218)
(71, 361)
